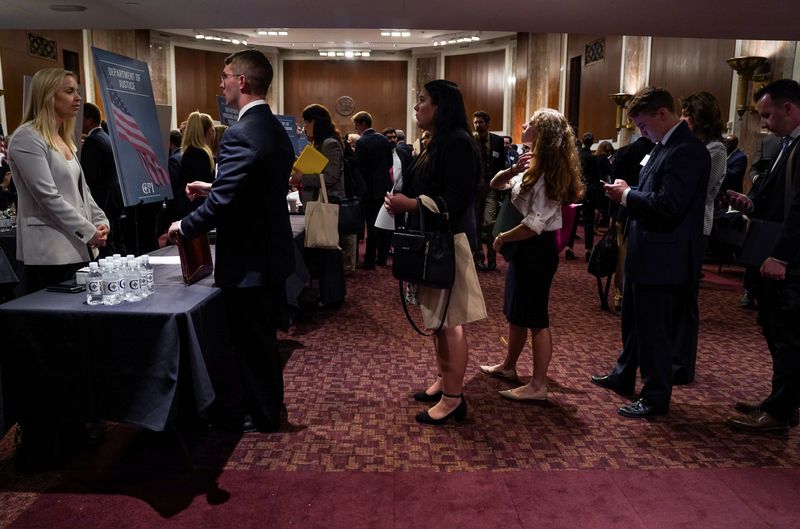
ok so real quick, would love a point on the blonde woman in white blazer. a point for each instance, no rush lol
(58, 220)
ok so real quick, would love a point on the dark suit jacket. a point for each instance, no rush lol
(665, 230)
(97, 160)
(194, 165)
(247, 203)
(374, 156)
(734, 172)
(494, 160)
(769, 202)
(405, 153)
(767, 151)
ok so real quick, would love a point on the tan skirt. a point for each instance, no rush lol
(466, 301)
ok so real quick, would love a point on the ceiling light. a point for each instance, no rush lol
(235, 41)
(199, 36)
(244, 43)
(262, 32)
(365, 54)
(386, 34)
(226, 40)
(340, 54)
(396, 33)
(272, 33)
(283, 33)
(435, 42)
(406, 34)
(476, 38)
(208, 37)
(348, 54)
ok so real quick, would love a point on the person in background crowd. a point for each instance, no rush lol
(100, 171)
(493, 156)
(219, 130)
(444, 177)
(254, 255)
(665, 252)
(605, 160)
(511, 151)
(539, 185)
(374, 155)
(197, 159)
(735, 165)
(778, 287)
(8, 191)
(324, 136)
(175, 139)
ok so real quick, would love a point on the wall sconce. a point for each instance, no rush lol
(620, 99)
(744, 66)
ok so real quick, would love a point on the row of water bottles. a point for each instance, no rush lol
(115, 279)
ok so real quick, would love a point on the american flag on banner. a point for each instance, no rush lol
(129, 131)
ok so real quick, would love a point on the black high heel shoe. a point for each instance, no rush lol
(421, 396)
(427, 397)
(460, 413)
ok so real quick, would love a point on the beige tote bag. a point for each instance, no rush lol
(322, 221)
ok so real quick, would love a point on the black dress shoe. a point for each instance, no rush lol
(640, 409)
(608, 382)
(421, 396)
(750, 408)
(480, 267)
(460, 413)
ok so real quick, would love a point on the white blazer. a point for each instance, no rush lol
(56, 214)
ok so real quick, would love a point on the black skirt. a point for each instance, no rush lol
(528, 279)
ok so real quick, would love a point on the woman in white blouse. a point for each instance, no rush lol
(550, 177)
(59, 221)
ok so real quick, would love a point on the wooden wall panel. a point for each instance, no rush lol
(17, 63)
(197, 81)
(598, 80)
(684, 66)
(379, 87)
(480, 77)
(520, 98)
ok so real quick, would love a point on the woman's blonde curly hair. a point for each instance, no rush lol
(555, 157)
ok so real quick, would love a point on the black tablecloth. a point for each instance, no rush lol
(132, 362)
(8, 244)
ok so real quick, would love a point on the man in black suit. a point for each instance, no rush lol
(493, 156)
(665, 250)
(100, 171)
(247, 205)
(735, 165)
(777, 200)
(374, 156)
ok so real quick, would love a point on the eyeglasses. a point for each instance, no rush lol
(224, 76)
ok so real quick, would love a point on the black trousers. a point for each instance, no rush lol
(378, 240)
(653, 317)
(252, 315)
(779, 324)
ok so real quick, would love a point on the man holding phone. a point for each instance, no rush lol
(778, 290)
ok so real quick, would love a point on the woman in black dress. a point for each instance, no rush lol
(550, 177)
(444, 176)
(197, 160)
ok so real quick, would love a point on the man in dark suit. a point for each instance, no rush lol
(774, 199)
(735, 167)
(247, 205)
(665, 250)
(374, 156)
(493, 156)
(100, 171)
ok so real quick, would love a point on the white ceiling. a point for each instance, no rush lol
(756, 19)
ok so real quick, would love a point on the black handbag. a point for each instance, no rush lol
(603, 263)
(508, 217)
(424, 257)
(351, 216)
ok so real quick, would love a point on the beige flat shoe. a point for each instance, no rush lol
(508, 374)
(510, 395)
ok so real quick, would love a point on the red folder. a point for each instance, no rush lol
(195, 256)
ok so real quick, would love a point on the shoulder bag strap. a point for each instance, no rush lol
(323, 190)
(411, 321)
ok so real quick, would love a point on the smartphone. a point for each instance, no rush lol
(68, 287)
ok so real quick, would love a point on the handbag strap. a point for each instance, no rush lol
(323, 190)
(411, 321)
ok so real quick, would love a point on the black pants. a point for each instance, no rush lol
(779, 323)
(252, 315)
(653, 317)
(378, 240)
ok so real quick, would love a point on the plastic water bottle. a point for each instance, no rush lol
(110, 284)
(132, 286)
(147, 273)
(94, 286)
(119, 269)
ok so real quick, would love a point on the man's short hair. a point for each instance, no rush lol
(588, 140)
(401, 135)
(363, 118)
(91, 111)
(389, 130)
(175, 137)
(255, 66)
(483, 115)
(510, 139)
(780, 91)
(649, 99)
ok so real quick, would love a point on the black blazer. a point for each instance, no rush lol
(247, 203)
(665, 226)
(374, 156)
(194, 165)
(494, 161)
(769, 200)
(97, 160)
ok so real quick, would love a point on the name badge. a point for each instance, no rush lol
(495, 154)
(644, 160)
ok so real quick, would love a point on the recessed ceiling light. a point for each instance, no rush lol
(67, 8)
(386, 34)
(199, 36)
(406, 34)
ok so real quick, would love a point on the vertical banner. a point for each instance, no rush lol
(298, 140)
(228, 115)
(133, 125)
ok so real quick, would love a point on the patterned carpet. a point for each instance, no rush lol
(351, 374)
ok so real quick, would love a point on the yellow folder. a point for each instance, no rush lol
(310, 161)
